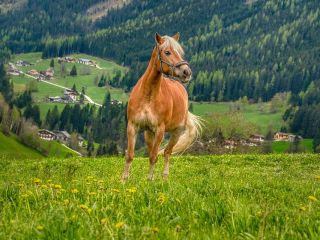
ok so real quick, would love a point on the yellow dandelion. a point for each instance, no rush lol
(37, 180)
(12, 221)
(302, 208)
(89, 178)
(100, 181)
(92, 193)
(162, 198)
(115, 190)
(24, 195)
(49, 181)
(178, 228)
(84, 207)
(120, 225)
(66, 201)
(312, 198)
(44, 186)
(57, 186)
(131, 190)
(39, 227)
(155, 230)
(50, 185)
(74, 190)
(103, 221)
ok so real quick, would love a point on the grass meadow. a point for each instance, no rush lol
(207, 197)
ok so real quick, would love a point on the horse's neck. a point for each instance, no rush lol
(151, 79)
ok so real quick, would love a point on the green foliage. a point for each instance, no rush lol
(209, 197)
(73, 71)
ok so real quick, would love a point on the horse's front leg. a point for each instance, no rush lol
(168, 150)
(153, 156)
(132, 135)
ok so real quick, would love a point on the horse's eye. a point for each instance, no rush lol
(167, 53)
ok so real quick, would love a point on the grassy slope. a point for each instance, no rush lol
(12, 148)
(251, 112)
(282, 146)
(214, 197)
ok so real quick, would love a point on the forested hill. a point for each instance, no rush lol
(236, 47)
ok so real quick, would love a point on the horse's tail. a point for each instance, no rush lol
(192, 132)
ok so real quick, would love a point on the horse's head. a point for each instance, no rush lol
(170, 61)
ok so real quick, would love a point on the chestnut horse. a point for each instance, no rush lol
(159, 103)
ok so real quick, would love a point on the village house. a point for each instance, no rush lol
(70, 95)
(56, 99)
(280, 136)
(33, 72)
(47, 135)
(62, 136)
(256, 138)
(13, 70)
(115, 102)
(46, 75)
(21, 63)
(86, 61)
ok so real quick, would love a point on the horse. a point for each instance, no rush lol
(158, 103)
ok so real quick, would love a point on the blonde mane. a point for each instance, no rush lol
(171, 42)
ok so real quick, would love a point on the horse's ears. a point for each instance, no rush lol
(176, 36)
(158, 38)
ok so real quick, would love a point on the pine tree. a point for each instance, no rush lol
(52, 63)
(74, 88)
(73, 71)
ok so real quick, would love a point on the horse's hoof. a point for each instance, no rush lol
(165, 177)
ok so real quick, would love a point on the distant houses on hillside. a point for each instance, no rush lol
(257, 139)
(22, 63)
(12, 70)
(69, 96)
(42, 75)
(62, 136)
(79, 60)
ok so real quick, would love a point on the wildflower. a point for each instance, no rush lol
(312, 198)
(24, 195)
(84, 207)
(100, 181)
(74, 190)
(44, 186)
(12, 221)
(92, 193)
(178, 228)
(40, 227)
(120, 225)
(162, 198)
(37, 180)
(131, 190)
(155, 230)
(89, 178)
(49, 180)
(66, 201)
(57, 186)
(50, 185)
(302, 208)
(103, 221)
(115, 190)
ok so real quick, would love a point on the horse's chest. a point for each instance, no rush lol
(145, 118)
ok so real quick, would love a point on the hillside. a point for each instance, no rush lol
(11, 148)
(236, 48)
(226, 197)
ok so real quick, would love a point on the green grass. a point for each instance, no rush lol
(13, 149)
(252, 113)
(282, 146)
(209, 197)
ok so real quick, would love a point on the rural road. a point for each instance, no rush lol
(63, 87)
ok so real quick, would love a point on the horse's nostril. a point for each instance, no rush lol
(186, 72)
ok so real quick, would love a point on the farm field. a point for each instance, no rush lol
(251, 112)
(209, 197)
(282, 146)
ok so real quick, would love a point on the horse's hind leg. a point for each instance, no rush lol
(168, 151)
(153, 156)
(132, 135)
(149, 139)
